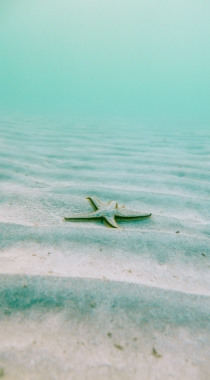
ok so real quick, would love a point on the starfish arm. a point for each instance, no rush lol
(131, 214)
(91, 215)
(111, 220)
(96, 202)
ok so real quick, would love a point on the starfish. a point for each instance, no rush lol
(108, 212)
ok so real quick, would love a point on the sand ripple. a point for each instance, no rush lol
(155, 272)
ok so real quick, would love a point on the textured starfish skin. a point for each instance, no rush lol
(108, 212)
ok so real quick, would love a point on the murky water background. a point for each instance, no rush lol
(113, 58)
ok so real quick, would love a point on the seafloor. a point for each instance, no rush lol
(81, 300)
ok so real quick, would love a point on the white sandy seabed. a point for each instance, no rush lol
(80, 300)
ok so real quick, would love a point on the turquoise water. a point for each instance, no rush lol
(110, 58)
(105, 99)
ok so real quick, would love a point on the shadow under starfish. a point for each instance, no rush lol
(108, 212)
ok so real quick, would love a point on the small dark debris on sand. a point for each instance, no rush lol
(155, 353)
(118, 346)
